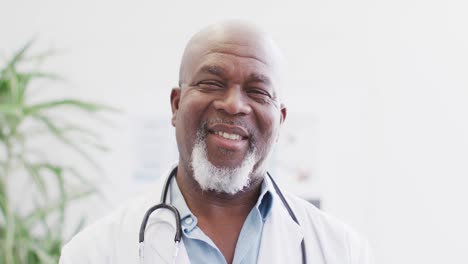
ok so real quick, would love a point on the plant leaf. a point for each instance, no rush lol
(19, 55)
(43, 255)
(85, 106)
(11, 109)
(50, 208)
(41, 56)
(34, 172)
(58, 173)
(60, 136)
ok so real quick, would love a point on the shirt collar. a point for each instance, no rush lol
(265, 200)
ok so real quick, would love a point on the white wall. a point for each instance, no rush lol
(386, 81)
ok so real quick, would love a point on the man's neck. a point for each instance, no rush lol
(220, 215)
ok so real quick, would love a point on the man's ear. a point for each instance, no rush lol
(283, 113)
(175, 99)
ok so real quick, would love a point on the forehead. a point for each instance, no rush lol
(233, 66)
(244, 53)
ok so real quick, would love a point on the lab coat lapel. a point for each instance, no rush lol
(281, 237)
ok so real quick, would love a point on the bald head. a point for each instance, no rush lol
(235, 38)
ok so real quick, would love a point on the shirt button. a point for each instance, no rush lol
(188, 221)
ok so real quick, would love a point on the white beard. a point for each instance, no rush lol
(223, 180)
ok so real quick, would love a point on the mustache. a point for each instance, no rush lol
(202, 132)
(233, 122)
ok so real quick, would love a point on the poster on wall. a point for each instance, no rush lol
(295, 159)
(153, 146)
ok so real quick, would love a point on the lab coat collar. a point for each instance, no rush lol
(280, 234)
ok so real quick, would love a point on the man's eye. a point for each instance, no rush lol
(210, 84)
(260, 95)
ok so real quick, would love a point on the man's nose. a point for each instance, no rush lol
(233, 102)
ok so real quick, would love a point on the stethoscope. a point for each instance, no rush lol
(178, 234)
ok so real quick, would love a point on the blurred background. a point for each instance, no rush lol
(377, 92)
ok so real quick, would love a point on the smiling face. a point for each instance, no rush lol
(228, 100)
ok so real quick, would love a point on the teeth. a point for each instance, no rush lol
(228, 136)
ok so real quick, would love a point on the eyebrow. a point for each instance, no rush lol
(213, 69)
(257, 77)
(221, 72)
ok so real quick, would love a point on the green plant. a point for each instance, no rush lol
(36, 236)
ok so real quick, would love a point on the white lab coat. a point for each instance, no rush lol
(114, 239)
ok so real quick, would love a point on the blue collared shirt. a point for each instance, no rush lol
(201, 249)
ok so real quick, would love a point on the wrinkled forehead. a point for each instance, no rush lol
(241, 43)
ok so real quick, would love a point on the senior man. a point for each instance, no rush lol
(227, 114)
